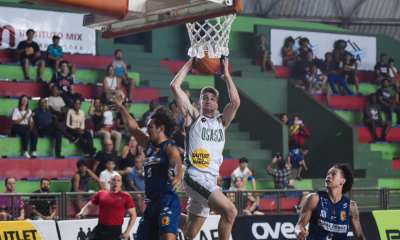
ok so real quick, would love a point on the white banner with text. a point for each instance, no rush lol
(74, 38)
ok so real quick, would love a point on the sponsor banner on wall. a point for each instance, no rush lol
(388, 222)
(35, 230)
(74, 38)
(82, 229)
(362, 48)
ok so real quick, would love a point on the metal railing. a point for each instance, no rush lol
(248, 202)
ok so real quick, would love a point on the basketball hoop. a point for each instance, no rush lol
(211, 36)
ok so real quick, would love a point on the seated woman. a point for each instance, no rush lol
(246, 197)
(75, 125)
(23, 126)
(103, 123)
(262, 55)
(288, 53)
(129, 153)
(111, 84)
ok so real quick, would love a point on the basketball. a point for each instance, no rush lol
(206, 65)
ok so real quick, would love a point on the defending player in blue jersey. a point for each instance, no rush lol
(330, 212)
(162, 216)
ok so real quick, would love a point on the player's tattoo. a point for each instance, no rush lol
(356, 216)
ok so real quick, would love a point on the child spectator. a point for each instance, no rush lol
(329, 68)
(120, 121)
(304, 49)
(107, 173)
(348, 70)
(111, 84)
(373, 116)
(262, 55)
(244, 172)
(288, 53)
(285, 119)
(121, 71)
(296, 160)
(130, 152)
(384, 100)
(29, 55)
(55, 56)
(317, 83)
(6, 203)
(23, 124)
(56, 103)
(297, 134)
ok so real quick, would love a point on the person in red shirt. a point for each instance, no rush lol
(112, 205)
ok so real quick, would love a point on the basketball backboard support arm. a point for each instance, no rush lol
(146, 15)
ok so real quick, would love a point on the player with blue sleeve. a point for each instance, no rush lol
(163, 173)
(329, 213)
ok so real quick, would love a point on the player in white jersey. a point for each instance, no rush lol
(204, 143)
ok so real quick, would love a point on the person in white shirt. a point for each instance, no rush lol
(75, 124)
(56, 103)
(111, 84)
(107, 173)
(393, 75)
(23, 124)
(244, 172)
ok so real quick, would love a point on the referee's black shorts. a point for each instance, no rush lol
(104, 232)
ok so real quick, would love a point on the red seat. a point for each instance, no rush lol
(365, 136)
(365, 76)
(284, 72)
(227, 167)
(5, 125)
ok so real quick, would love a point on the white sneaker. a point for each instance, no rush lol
(33, 154)
(26, 154)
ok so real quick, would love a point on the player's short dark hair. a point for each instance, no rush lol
(209, 90)
(243, 159)
(163, 116)
(81, 162)
(7, 180)
(346, 172)
(383, 54)
(305, 147)
(116, 51)
(44, 179)
(30, 30)
(391, 60)
(281, 164)
(384, 80)
(302, 40)
(55, 37)
(63, 62)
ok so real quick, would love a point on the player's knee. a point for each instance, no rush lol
(190, 234)
(230, 215)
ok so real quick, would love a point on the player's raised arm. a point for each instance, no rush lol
(232, 107)
(189, 112)
(305, 216)
(131, 124)
(355, 222)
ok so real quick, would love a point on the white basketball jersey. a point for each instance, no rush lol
(204, 143)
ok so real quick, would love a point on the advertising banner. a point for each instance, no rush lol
(363, 48)
(35, 230)
(82, 229)
(74, 38)
(388, 224)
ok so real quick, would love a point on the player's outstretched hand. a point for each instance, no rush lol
(190, 63)
(176, 182)
(225, 61)
(79, 216)
(302, 235)
(124, 236)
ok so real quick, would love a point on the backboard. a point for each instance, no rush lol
(146, 15)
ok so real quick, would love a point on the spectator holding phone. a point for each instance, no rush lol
(296, 160)
(297, 134)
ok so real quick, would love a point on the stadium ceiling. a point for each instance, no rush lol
(365, 16)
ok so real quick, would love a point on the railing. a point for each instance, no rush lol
(274, 201)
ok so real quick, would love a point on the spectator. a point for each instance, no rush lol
(393, 75)
(22, 125)
(296, 160)
(55, 56)
(107, 173)
(75, 125)
(45, 126)
(381, 69)
(317, 83)
(56, 103)
(297, 134)
(101, 156)
(176, 113)
(111, 84)
(65, 83)
(136, 182)
(153, 105)
(339, 52)
(121, 71)
(284, 119)
(303, 67)
(179, 139)
(103, 123)
(288, 53)
(29, 55)
(244, 172)
(6, 204)
(348, 70)
(121, 123)
(329, 68)
(373, 116)
(220, 182)
(130, 152)
(263, 54)
(386, 103)
(41, 205)
(80, 182)
(247, 197)
(304, 50)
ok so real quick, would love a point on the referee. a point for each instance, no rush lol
(112, 206)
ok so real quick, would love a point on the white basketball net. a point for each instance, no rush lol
(211, 36)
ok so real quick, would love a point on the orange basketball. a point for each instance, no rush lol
(206, 65)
